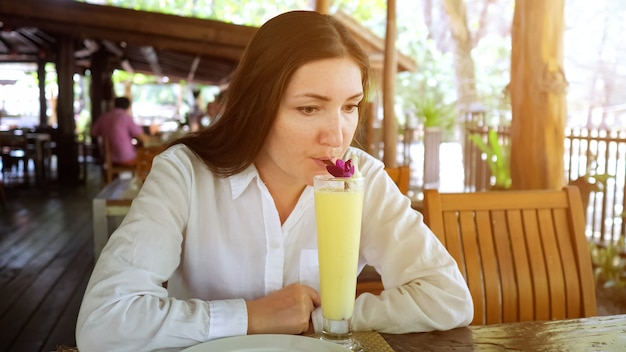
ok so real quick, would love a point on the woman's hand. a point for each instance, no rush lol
(286, 311)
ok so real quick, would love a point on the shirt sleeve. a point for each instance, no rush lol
(134, 129)
(125, 306)
(424, 289)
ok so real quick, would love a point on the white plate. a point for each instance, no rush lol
(267, 343)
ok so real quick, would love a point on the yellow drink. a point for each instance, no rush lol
(338, 211)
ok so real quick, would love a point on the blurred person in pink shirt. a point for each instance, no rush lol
(118, 127)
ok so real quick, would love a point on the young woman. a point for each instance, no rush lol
(226, 216)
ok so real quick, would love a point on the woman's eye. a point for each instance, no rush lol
(307, 109)
(351, 108)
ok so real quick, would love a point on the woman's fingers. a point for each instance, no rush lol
(286, 311)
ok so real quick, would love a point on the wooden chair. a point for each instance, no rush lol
(111, 170)
(524, 254)
(401, 176)
(144, 160)
(369, 280)
(15, 154)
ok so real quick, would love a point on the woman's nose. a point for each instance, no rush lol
(332, 131)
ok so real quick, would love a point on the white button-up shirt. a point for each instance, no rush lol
(218, 242)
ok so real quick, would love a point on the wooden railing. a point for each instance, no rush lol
(595, 161)
(598, 158)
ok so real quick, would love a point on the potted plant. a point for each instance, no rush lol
(497, 158)
(437, 118)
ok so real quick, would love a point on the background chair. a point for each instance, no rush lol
(524, 254)
(144, 160)
(15, 154)
(111, 170)
(401, 176)
(369, 280)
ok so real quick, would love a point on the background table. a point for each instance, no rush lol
(41, 142)
(109, 208)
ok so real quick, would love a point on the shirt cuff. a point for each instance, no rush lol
(227, 318)
(316, 317)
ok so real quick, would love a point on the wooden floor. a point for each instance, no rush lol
(46, 257)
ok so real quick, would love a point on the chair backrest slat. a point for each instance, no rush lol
(538, 274)
(548, 221)
(488, 262)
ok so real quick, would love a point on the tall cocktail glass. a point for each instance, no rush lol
(338, 210)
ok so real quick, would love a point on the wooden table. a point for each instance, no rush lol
(603, 333)
(41, 142)
(109, 207)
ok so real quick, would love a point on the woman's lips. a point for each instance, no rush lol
(324, 161)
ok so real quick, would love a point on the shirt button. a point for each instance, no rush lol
(275, 245)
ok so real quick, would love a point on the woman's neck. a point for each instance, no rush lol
(285, 198)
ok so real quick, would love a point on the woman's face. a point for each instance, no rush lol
(316, 121)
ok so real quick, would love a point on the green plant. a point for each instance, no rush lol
(609, 263)
(497, 157)
(434, 113)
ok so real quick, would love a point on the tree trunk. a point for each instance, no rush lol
(463, 61)
(538, 95)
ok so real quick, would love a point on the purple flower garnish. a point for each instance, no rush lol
(341, 168)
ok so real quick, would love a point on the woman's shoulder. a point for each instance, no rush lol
(366, 161)
(179, 161)
(180, 154)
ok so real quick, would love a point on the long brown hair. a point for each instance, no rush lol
(281, 46)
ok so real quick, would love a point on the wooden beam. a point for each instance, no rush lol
(113, 48)
(118, 52)
(153, 61)
(176, 33)
(193, 68)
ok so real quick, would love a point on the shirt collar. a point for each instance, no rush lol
(239, 182)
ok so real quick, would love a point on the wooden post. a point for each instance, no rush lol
(101, 84)
(537, 90)
(41, 76)
(68, 168)
(322, 6)
(390, 128)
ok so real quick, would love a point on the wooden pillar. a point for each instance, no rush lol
(43, 103)
(538, 88)
(101, 84)
(322, 6)
(67, 150)
(390, 128)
